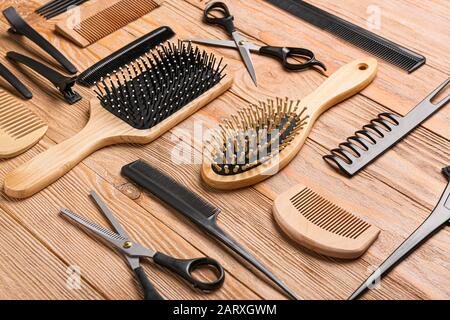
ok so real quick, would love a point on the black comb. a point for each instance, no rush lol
(196, 209)
(125, 55)
(366, 40)
(381, 134)
(56, 7)
(158, 84)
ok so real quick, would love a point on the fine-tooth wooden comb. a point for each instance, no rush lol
(136, 104)
(20, 129)
(322, 226)
(382, 134)
(100, 18)
(262, 139)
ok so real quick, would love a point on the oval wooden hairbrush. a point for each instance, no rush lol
(262, 139)
(137, 104)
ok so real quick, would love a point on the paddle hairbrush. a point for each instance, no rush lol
(262, 139)
(136, 104)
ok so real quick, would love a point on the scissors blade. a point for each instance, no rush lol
(108, 214)
(132, 252)
(113, 238)
(213, 42)
(244, 50)
(223, 43)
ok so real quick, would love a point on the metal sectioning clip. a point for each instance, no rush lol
(381, 134)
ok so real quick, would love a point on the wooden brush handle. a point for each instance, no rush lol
(53, 163)
(344, 83)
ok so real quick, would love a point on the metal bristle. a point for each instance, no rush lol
(153, 87)
(255, 135)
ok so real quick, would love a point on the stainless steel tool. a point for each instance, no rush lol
(381, 134)
(437, 219)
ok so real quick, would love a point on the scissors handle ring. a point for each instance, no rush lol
(185, 268)
(285, 53)
(225, 21)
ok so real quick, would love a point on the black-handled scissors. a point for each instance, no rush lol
(133, 251)
(285, 55)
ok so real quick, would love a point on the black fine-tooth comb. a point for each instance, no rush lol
(56, 7)
(364, 39)
(381, 134)
(124, 56)
(193, 207)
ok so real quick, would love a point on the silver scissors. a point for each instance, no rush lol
(245, 46)
(133, 251)
(437, 219)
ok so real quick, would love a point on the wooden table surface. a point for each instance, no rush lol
(396, 193)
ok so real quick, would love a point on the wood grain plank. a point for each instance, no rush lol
(247, 212)
(103, 267)
(308, 268)
(29, 270)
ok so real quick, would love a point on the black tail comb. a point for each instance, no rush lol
(196, 209)
(364, 39)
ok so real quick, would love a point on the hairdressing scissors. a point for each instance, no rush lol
(134, 251)
(284, 54)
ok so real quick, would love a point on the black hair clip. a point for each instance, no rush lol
(20, 26)
(62, 83)
(16, 83)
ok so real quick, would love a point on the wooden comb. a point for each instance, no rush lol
(322, 226)
(100, 18)
(20, 129)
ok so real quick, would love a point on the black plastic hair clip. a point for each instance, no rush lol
(21, 27)
(16, 83)
(62, 83)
